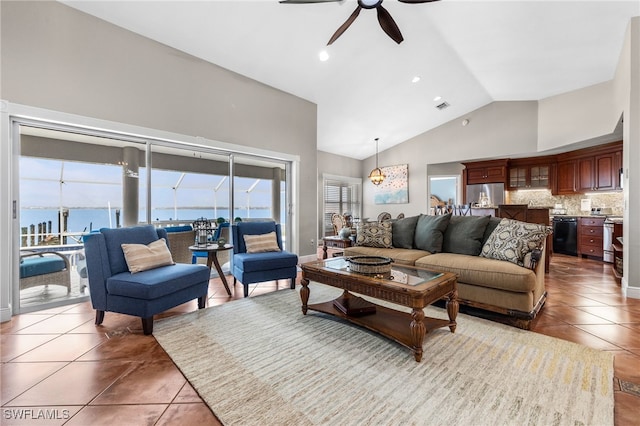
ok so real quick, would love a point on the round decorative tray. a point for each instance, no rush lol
(370, 264)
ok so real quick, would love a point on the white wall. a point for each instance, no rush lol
(577, 116)
(630, 60)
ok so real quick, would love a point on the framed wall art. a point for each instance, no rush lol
(395, 187)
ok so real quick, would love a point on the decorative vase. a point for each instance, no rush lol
(344, 233)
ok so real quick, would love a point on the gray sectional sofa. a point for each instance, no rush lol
(495, 259)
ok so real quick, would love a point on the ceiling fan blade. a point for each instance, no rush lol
(307, 1)
(389, 25)
(417, 1)
(346, 24)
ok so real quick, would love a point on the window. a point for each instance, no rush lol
(341, 195)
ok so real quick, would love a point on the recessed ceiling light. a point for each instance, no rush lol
(437, 98)
(415, 79)
(323, 55)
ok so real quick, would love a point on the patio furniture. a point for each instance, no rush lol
(180, 238)
(44, 268)
(146, 293)
(255, 267)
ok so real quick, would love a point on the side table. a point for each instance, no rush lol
(334, 241)
(212, 259)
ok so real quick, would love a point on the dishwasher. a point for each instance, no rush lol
(565, 235)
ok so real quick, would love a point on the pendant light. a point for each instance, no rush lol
(376, 176)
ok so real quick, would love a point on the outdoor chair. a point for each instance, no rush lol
(156, 283)
(259, 257)
(44, 268)
(179, 239)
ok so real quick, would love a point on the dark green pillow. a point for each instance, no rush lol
(464, 235)
(429, 232)
(403, 231)
(493, 224)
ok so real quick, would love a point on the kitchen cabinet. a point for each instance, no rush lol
(493, 171)
(524, 174)
(597, 173)
(590, 230)
(589, 170)
(565, 177)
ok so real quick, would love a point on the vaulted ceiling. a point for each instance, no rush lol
(468, 53)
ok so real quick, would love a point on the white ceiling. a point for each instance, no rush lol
(469, 52)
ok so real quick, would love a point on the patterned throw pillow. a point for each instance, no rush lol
(374, 234)
(512, 240)
(141, 257)
(261, 243)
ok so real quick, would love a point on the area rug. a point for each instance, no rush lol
(259, 361)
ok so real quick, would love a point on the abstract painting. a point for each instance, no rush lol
(394, 189)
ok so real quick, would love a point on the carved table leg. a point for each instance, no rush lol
(304, 294)
(418, 330)
(452, 309)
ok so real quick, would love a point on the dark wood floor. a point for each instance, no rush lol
(59, 362)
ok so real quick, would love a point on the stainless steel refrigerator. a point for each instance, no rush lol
(494, 191)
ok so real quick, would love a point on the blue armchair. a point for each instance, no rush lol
(251, 268)
(144, 294)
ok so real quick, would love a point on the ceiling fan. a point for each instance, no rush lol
(387, 23)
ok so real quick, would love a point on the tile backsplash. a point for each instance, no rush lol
(543, 198)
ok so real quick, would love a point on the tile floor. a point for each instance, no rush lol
(57, 363)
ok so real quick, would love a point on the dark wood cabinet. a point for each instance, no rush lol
(585, 178)
(528, 174)
(590, 231)
(589, 170)
(565, 177)
(494, 171)
(576, 172)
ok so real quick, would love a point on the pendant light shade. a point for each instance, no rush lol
(376, 176)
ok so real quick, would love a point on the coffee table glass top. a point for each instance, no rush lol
(399, 274)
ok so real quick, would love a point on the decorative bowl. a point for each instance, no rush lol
(370, 265)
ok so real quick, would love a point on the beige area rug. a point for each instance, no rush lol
(259, 361)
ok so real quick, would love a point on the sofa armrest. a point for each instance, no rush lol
(98, 269)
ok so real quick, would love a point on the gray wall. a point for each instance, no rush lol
(338, 165)
(58, 58)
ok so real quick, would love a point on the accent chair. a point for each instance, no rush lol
(143, 294)
(259, 262)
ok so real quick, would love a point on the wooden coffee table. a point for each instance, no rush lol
(413, 287)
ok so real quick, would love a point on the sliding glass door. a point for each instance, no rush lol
(72, 183)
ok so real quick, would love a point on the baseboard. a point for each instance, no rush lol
(632, 292)
(5, 314)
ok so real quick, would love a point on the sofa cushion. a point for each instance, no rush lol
(32, 266)
(491, 226)
(374, 234)
(464, 234)
(403, 231)
(430, 232)
(512, 240)
(252, 262)
(142, 257)
(481, 271)
(261, 243)
(399, 255)
(158, 282)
